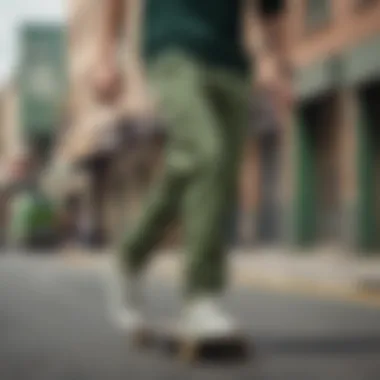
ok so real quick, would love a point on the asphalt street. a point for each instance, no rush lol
(55, 325)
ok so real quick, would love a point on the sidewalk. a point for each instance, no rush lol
(324, 270)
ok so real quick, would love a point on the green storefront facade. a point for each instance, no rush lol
(42, 81)
(356, 70)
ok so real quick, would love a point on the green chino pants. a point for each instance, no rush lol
(206, 111)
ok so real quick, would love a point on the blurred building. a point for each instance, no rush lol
(11, 149)
(31, 109)
(41, 84)
(31, 102)
(12, 144)
(331, 186)
(312, 181)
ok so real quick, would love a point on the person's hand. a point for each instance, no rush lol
(106, 81)
(276, 81)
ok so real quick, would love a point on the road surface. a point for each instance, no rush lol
(54, 325)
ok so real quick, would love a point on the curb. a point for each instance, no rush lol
(362, 290)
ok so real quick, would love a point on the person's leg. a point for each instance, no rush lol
(212, 192)
(208, 201)
(158, 212)
(192, 140)
(177, 81)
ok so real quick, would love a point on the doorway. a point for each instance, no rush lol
(317, 196)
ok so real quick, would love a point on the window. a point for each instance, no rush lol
(317, 13)
(363, 4)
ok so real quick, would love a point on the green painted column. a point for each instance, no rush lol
(367, 239)
(42, 82)
(304, 195)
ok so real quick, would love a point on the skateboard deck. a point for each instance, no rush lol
(169, 338)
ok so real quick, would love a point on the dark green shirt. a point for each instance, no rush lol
(208, 29)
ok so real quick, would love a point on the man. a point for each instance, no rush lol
(199, 71)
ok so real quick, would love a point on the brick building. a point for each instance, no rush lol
(330, 192)
(12, 150)
(11, 137)
(317, 180)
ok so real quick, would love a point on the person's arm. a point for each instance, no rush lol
(111, 21)
(106, 77)
(266, 34)
(266, 43)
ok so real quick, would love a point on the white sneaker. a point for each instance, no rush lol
(125, 298)
(204, 318)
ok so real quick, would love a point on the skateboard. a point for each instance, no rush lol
(169, 338)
